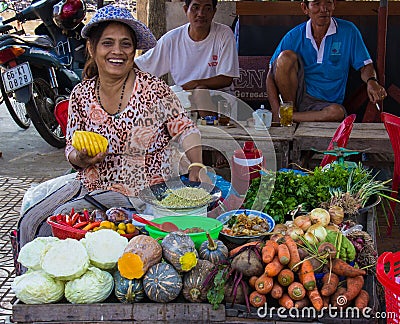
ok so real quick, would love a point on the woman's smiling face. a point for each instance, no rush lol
(115, 51)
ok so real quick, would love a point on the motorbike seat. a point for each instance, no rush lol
(36, 40)
(43, 41)
(5, 28)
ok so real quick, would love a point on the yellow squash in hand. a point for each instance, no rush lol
(94, 143)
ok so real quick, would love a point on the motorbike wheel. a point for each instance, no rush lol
(41, 110)
(16, 109)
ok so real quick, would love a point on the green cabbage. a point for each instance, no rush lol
(65, 259)
(104, 247)
(37, 287)
(31, 252)
(93, 287)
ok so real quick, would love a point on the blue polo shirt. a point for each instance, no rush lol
(326, 69)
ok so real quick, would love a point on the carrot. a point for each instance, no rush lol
(294, 253)
(325, 300)
(341, 268)
(274, 267)
(285, 277)
(252, 282)
(74, 218)
(264, 284)
(306, 275)
(296, 291)
(237, 249)
(80, 225)
(268, 251)
(362, 299)
(337, 299)
(315, 299)
(354, 286)
(302, 303)
(256, 299)
(277, 290)
(283, 254)
(286, 301)
(276, 237)
(330, 283)
(90, 226)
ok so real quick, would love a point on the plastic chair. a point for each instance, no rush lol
(392, 125)
(341, 137)
(61, 114)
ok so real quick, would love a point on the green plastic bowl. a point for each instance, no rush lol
(210, 225)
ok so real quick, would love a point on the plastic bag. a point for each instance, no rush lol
(37, 192)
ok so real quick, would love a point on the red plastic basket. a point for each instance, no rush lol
(63, 232)
(387, 279)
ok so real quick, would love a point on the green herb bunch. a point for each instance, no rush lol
(291, 189)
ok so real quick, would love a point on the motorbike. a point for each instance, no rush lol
(16, 109)
(40, 70)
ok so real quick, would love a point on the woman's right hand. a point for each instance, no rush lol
(83, 160)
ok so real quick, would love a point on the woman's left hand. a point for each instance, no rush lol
(199, 174)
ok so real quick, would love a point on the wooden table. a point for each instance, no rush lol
(368, 137)
(276, 143)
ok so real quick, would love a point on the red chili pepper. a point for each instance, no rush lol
(86, 214)
(74, 219)
(90, 226)
(63, 223)
(80, 225)
(59, 218)
(68, 219)
(72, 211)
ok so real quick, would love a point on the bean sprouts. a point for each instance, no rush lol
(185, 197)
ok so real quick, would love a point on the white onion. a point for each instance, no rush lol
(320, 215)
(294, 232)
(318, 231)
(310, 238)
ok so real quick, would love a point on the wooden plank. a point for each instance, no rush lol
(284, 8)
(111, 312)
(368, 137)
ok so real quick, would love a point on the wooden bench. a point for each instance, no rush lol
(368, 137)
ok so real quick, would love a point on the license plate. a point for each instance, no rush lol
(17, 77)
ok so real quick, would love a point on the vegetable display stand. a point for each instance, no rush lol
(118, 313)
(388, 280)
(240, 314)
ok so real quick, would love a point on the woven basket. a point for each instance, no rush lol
(63, 232)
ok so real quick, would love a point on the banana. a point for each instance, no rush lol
(93, 142)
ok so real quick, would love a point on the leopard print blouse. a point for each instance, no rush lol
(143, 138)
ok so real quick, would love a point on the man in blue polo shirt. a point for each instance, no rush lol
(311, 64)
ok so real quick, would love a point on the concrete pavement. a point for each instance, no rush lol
(25, 153)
